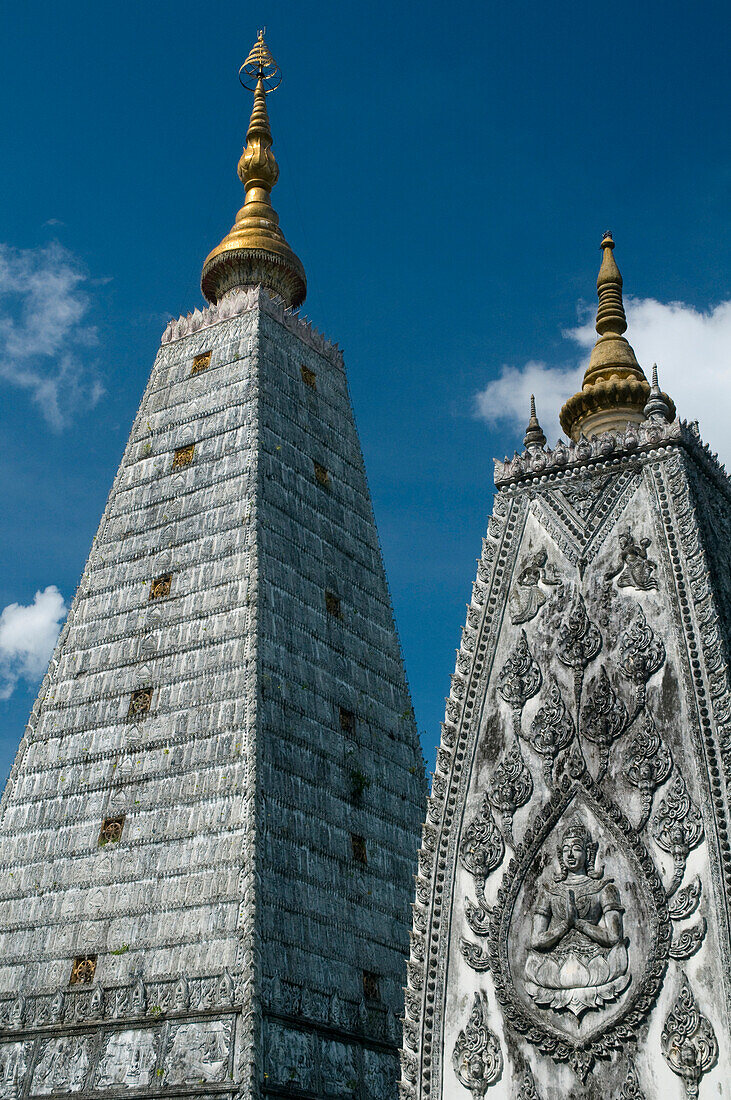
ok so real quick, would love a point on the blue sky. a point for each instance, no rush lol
(447, 172)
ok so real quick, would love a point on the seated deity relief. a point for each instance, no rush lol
(578, 958)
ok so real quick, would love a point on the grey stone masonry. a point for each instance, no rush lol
(209, 832)
(572, 924)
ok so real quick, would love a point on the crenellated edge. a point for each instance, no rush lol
(237, 302)
(535, 464)
(416, 1059)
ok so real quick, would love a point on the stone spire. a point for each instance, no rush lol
(659, 406)
(615, 389)
(534, 436)
(255, 250)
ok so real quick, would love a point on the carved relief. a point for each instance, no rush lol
(578, 641)
(579, 954)
(128, 1058)
(477, 1058)
(636, 569)
(603, 719)
(631, 1089)
(565, 970)
(62, 1065)
(686, 901)
(14, 1059)
(520, 677)
(677, 827)
(527, 599)
(552, 729)
(649, 764)
(198, 1052)
(688, 941)
(511, 787)
(688, 1040)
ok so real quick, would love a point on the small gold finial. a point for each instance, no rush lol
(615, 390)
(255, 250)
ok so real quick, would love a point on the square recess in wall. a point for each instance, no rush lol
(347, 720)
(358, 844)
(111, 830)
(309, 377)
(371, 986)
(201, 362)
(160, 587)
(183, 456)
(140, 703)
(332, 604)
(83, 970)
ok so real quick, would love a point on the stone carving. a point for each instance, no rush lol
(686, 901)
(13, 1066)
(578, 641)
(552, 729)
(511, 787)
(474, 955)
(477, 1058)
(527, 1089)
(520, 677)
(641, 654)
(688, 941)
(596, 988)
(688, 1040)
(481, 852)
(631, 1089)
(62, 1065)
(128, 1058)
(527, 599)
(198, 1052)
(677, 827)
(139, 998)
(636, 569)
(579, 954)
(603, 719)
(649, 764)
(181, 997)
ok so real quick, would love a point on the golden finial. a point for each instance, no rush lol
(615, 390)
(255, 251)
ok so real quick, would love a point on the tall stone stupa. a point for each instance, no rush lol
(209, 833)
(572, 925)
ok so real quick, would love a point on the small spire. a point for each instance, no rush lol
(659, 405)
(255, 250)
(534, 436)
(615, 389)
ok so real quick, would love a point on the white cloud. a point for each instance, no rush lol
(27, 637)
(44, 332)
(691, 347)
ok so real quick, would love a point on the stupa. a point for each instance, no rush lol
(209, 832)
(572, 925)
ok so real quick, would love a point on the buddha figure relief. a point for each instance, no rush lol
(578, 959)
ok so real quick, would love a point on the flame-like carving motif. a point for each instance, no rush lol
(641, 654)
(579, 640)
(677, 827)
(603, 719)
(511, 786)
(482, 847)
(631, 1089)
(649, 764)
(685, 902)
(520, 677)
(688, 941)
(552, 729)
(477, 1058)
(688, 1041)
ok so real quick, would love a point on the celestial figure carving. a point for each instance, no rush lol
(527, 599)
(579, 957)
(636, 569)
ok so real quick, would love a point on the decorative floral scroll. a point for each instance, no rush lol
(677, 827)
(603, 719)
(477, 1058)
(552, 729)
(688, 1041)
(649, 764)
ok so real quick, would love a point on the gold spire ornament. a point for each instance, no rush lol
(615, 390)
(255, 250)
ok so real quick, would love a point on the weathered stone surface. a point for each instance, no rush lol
(232, 894)
(573, 917)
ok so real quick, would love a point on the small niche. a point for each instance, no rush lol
(371, 987)
(201, 362)
(160, 587)
(358, 844)
(309, 377)
(183, 456)
(321, 475)
(111, 830)
(140, 703)
(332, 604)
(83, 970)
(347, 720)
